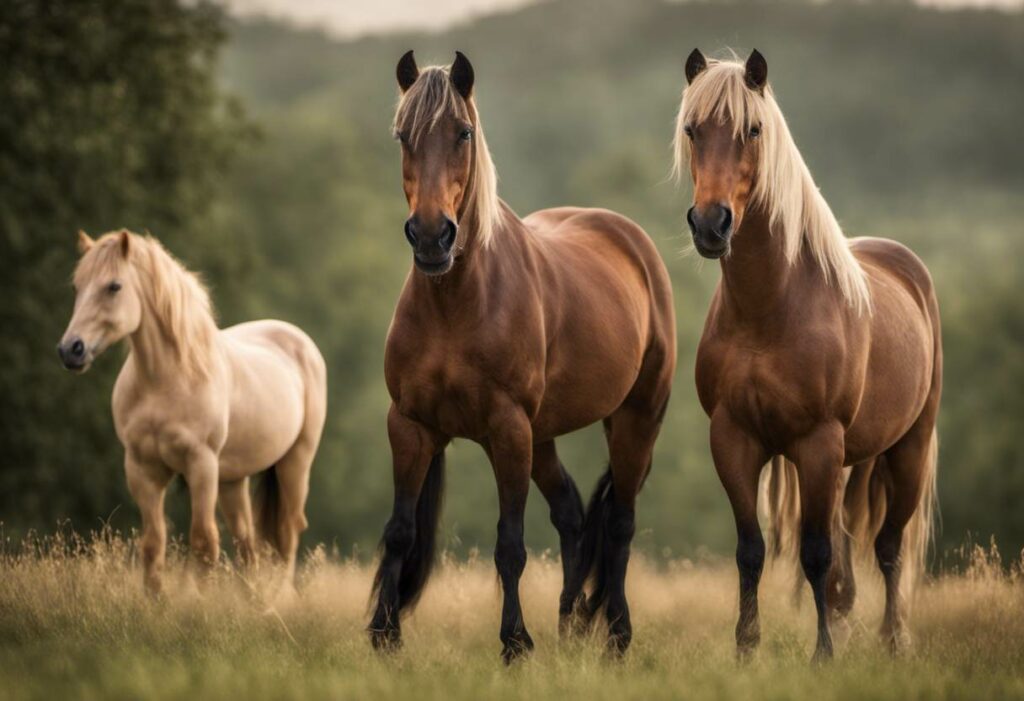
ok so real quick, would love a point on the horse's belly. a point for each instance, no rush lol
(267, 413)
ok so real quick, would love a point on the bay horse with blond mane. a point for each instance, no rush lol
(510, 333)
(214, 406)
(818, 352)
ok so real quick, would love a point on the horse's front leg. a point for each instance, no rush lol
(148, 485)
(408, 543)
(510, 447)
(201, 475)
(819, 460)
(739, 458)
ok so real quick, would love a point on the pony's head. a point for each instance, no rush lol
(723, 126)
(108, 305)
(732, 134)
(447, 172)
(124, 281)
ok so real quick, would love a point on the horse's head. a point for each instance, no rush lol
(437, 125)
(107, 302)
(720, 129)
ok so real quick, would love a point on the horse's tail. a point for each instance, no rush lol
(781, 491)
(591, 563)
(419, 559)
(267, 507)
(920, 530)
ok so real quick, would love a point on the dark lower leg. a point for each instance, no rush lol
(399, 536)
(567, 518)
(887, 551)
(816, 558)
(621, 527)
(750, 552)
(510, 559)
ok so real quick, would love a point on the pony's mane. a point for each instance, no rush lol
(428, 100)
(174, 296)
(784, 186)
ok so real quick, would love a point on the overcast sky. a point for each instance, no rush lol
(348, 18)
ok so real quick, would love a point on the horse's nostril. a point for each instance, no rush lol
(410, 233)
(726, 221)
(689, 219)
(78, 348)
(447, 239)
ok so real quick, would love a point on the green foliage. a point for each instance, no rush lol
(907, 117)
(111, 117)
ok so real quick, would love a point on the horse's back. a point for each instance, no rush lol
(898, 262)
(599, 231)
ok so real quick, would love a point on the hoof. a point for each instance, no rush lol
(386, 640)
(745, 653)
(898, 642)
(822, 656)
(518, 646)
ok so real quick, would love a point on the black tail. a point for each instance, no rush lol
(592, 562)
(418, 559)
(267, 505)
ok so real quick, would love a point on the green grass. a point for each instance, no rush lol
(74, 623)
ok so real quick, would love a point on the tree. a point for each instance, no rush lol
(112, 116)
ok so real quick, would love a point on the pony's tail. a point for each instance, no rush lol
(781, 492)
(267, 507)
(919, 533)
(418, 561)
(592, 564)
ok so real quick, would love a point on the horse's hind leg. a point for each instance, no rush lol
(631, 433)
(236, 507)
(908, 464)
(566, 506)
(292, 473)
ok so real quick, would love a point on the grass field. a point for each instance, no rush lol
(74, 623)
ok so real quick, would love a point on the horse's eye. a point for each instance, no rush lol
(465, 134)
(400, 136)
(113, 287)
(755, 131)
(688, 130)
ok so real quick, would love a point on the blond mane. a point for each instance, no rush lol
(175, 297)
(784, 186)
(429, 99)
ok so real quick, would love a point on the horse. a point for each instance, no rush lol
(214, 406)
(818, 351)
(511, 332)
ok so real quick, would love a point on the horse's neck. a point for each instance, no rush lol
(756, 277)
(158, 357)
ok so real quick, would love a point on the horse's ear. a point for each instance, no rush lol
(756, 73)
(85, 242)
(124, 240)
(462, 75)
(695, 65)
(407, 72)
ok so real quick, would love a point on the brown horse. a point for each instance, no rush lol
(819, 350)
(510, 333)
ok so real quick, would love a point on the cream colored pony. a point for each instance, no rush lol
(215, 406)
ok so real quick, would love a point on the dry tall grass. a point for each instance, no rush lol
(75, 623)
